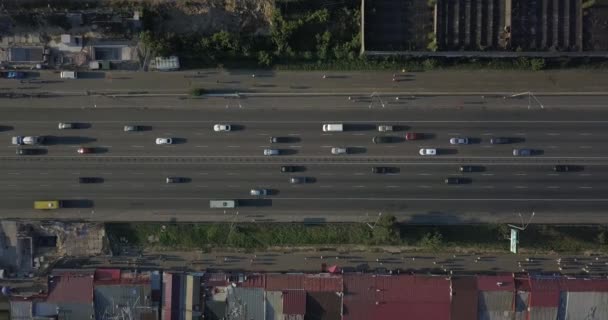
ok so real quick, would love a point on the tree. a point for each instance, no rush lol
(264, 58)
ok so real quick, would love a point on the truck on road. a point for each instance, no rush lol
(47, 204)
(28, 140)
(222, 204)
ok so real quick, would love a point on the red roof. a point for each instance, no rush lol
(107, 274)
(280, 282)
(323, 283)
(294, 302)
(503, 282)
(544, 293)
(71, 288)
(464, 298)
(255, 281)
(584, 285)
(396, 297)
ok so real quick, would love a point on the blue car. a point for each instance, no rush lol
(15, 75)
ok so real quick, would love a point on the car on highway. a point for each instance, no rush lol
(131, 128)
(289, 169)
(500, 140)
(413, 136)
(271, 152)
(384, 170)
(175, 180)
(566, 168)
(28, 151)
(279, 139)
(428, 152)
(384, 139)
(13, 75)
(299, 180)
(471, 168)
(456, 180)
(85, 150)
(259, 192)
(339, 150)
(164, 141)
(67, 125)
(459, 140)
(522, 152)
(222, 127)
(385, 128)
(90, 180)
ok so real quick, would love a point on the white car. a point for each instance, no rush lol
(385, 128)
(164, 141)
(66, 125)
(428, 152)
(339, 150)
(458, 140)
(258, 192)
(222, 128)
(271, 152)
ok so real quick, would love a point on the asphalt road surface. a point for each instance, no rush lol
(227, 165)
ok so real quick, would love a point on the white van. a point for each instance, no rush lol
(69, 75)
(336, 127)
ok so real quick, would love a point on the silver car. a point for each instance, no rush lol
(339, 150)
(271, 152)
(459, 140)
(385, 128)
(259, 192)
(66, 125)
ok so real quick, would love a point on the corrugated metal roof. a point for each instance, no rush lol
(323, 283)
(245, 303)
(107, 274)
(496, 283)
(464, 298)
(71, 288)
(256, 280)
(495, 305)
(359, 297)
(581, 285)
(112, 301)
(544, 293)
(413, 297)
(324, 306)
(21, 310)
(75, 311)
(584, 305)
(216, 279)
(274, 305)
(171, 296)
(279, 282)
(294, 302)
(215, 310)
(45, 309)
(540, 313)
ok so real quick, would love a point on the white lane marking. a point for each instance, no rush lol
(425, 187)
(521, 187)
(44, 173)
(203, 173)
(232, 186)
(358, 186)
(105, 146)
(520, 134)
(358, 134)
(263, 146)
(199, 133)
(15, 173)
(233, 146)
(327, 174)
(487, 174)
(488, 187)
(106, 173)
(262, 134)
(585, 134)
(140, 173)
(359, 173)
(453, 133)
(553, 174)
(585, 187)
(12, 185)
(425, 174)
(295, 146)
(553, 134)
(293, 134)
(392, 186)
(487, 146)
(44, 185)
(201, 146)
(553, 187)
(232, 174)
(585, 147)
(326, 134)
(137, 146)
(487, 134)
(325, 146)
(200, 186)
(521, 174)
(325, 186)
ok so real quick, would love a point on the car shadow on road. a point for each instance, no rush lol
(400, 128)
(359, 127)
(255, 203)
(474, 140)
(288, 152)
(100, 150)
(6, 128)
(68, 140)
(179, 140)
(357, 150)
(79, 203)
(427, 136)
(446, 151)
(237, 127)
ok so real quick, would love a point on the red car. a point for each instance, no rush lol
(85, 150)
(412, 136)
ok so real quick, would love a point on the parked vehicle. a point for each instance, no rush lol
(413, 136)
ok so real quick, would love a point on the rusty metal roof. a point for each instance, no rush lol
(71, 288)
(294, 302)
(280, 282)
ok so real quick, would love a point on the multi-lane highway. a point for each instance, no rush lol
(227, 165)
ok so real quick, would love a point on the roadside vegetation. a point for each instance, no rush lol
(385, 232)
